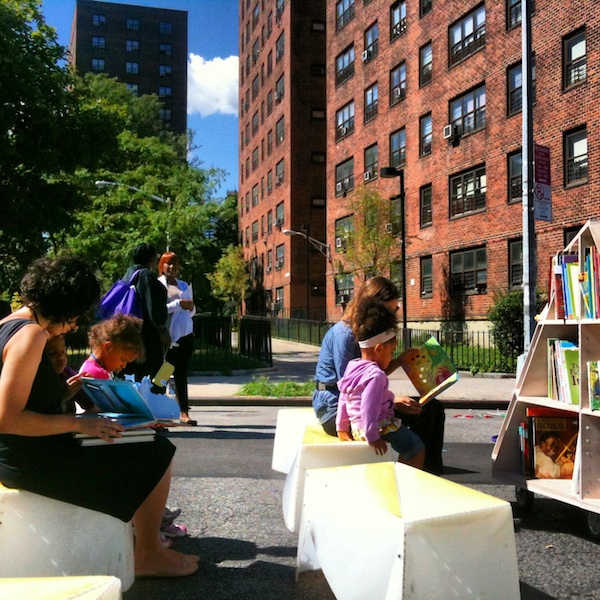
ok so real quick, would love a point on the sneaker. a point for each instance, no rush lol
(171, 515)
(174, 531)
(165, 541)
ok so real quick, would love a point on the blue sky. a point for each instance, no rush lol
(212, 74)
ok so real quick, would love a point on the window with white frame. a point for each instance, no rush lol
(398, 148)
(425, 135)
(574, 59)
(371, 101)
(467, 35)
(468, 271)
(344, 177)
(425, 64)
(371, 163)
(344, 283)
(255, 159)
(344, 121)
(255, 232)
(576, 156)
(344, 65)
(468, 112)
(279, 257)
(397, 19)
(398, 84)
(371, 42)
(344, 13)
(344, 228)
(467, 192)
(255, 195)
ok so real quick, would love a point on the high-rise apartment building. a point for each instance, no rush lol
(282, 154)
(145, 48)
(435, 88)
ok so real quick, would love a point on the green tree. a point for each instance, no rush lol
(230, 279)
(370, 245)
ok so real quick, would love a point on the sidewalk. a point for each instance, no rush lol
(293, 361)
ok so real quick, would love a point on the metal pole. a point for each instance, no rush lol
(403, 259)
(307, 272)
(529, 242)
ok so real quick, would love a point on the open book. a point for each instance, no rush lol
(429, 368)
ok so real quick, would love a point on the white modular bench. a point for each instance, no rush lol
(42, 537)
(60, 588)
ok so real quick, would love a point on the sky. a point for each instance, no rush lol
(212, 74)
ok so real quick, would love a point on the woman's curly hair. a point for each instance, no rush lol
(60, 289)
(124, 331)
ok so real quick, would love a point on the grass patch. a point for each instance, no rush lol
(262, 386)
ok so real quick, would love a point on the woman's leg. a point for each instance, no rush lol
(180, 357)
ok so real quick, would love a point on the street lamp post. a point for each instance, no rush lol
(102, 183)
(322, 247)
(389, 172)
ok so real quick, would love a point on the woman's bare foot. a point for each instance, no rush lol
(167, 564)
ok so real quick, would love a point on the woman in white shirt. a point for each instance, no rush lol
(181, 309)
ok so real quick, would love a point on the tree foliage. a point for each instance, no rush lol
(230, 279)
(370, 245)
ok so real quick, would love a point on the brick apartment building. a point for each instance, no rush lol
(434, 87)
(282, 155)
(145, 48)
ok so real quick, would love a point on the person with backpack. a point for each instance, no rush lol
(152, 297)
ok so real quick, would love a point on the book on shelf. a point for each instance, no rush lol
(553, 442)
(129, 436)
(556, 288)
(563, 371)
(525, 449)
(593, 384)
(430, 369)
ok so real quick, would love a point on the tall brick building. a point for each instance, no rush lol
(434, 87)
(282, 154)
(145, 48)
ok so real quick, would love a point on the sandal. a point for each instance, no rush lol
(190, 422)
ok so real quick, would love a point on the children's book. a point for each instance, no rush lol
(593, 384)
(429, 368)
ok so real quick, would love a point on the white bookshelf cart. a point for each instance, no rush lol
(531, 390)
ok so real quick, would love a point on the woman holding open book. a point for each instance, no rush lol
(37, 449)
(339, 347)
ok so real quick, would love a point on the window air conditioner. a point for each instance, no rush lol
(343, 130)
(365, 55)
(338, 242)
(338, 186)
(388, 228)
(399, 93)
(343, 299)
(397, 29)
(447, 132)
(366, 175)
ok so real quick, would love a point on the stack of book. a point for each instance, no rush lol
(563, 371)
(130, 436)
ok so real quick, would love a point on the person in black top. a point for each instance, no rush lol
(153, 299)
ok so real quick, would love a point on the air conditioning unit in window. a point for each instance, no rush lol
(343, 299)
(397, 29)
(447, 132)
(342, 130)
(389, 228)
(453, 133)
(278, 96)
(280, 137)
(279, 223)
(338, 242)
(366, 175)
(279, 263)
(365, 55)
(338, 186)
(399, 93)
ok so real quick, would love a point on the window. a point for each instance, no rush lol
(397, 19)
(165, 91)
(279, 215)
(515, 89)
(165, 49)
(269, 63)
(132, 24)
(255, 88)
(279, 298)
(165, 114)
(467, 36)
(255, 51)
(371, 43)
(371, 97)
(165, 28)
(574, 59)
(467, 113)
(569, 234)
(279, 257)
(344, 177)
(165, 70)
(515, 263)
(98, 42)
(426, 276)
(396, 214)
(425, 64)
(468, 271)
(344, 121)
(255, 16)
(255, 123)
(515, 176)
(344, 65)
(98, 20)
(132, 68)
(371, 163)
(132, 46)
(396, 273)
(270, 222)
(269, 261)
(279, 89)
(576, 157)
(318, 114)
(426, 135)
(398, 148)
(513, 13)
(467, 192)
(317, 158)
(255, 232)
(269, 102)
(133, 88)
(398, 84)
(279, 173)
(425, 7)
(425, 205)
(344, 228)
(269, 182)
(269, 142)
(344, 284)
(255, 195)
(279, 131)
(255, 159)
(98, 65)
(279, 47)
(344, 11)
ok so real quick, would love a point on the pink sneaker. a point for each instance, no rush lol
(174, 531)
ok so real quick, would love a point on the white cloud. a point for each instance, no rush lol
(213, 85)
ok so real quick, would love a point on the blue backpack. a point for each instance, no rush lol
(121, 298)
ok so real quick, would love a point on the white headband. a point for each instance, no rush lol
(380, 338)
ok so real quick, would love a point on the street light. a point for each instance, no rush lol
(388, 173)
(322, 247)
(102, 183)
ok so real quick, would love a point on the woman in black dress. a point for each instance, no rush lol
(37, 449)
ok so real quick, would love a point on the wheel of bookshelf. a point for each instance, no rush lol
(592, 524)
(524, 497)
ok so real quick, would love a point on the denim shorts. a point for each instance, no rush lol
(404, 441)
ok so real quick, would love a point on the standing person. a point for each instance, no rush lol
(153, 300)
(366, 404)
(38, 452)
(181, 309)
(339, 346)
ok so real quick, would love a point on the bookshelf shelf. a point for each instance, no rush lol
(532, 388)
